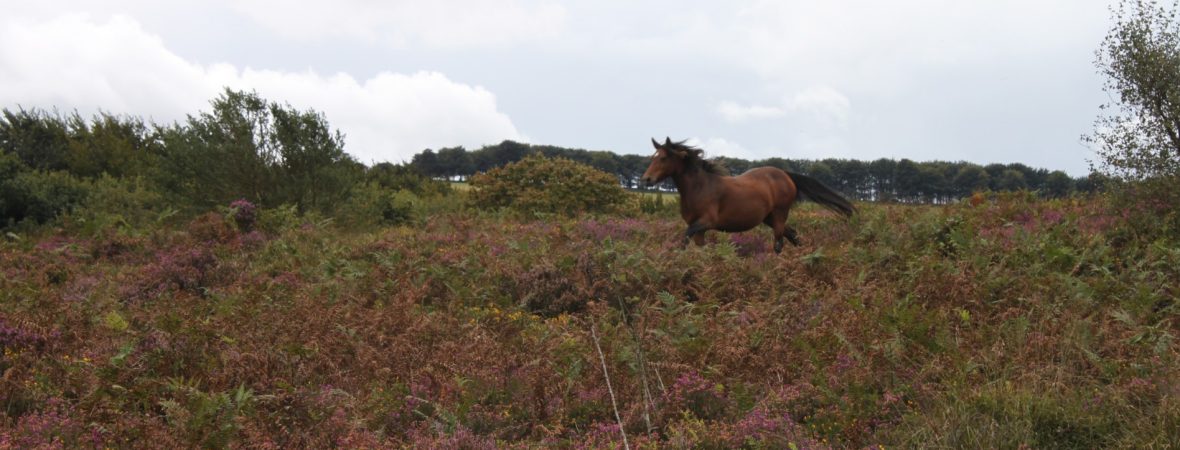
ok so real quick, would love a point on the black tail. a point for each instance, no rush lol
(811, 189)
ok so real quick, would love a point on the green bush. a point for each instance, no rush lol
(38, 197)
(126, 204)
(373, 205)
(537, 184)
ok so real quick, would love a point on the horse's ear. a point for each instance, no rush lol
(667, 140)
(655, 144)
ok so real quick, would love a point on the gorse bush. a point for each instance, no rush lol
(537, 184)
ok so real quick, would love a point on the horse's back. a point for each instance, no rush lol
(775, 180)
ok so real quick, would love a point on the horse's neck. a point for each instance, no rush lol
(695, 184)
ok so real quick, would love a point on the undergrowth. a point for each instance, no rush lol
(1010, 322)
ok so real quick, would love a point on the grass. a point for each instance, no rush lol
(1014, 322)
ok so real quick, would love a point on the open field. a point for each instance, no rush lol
(1013, 322)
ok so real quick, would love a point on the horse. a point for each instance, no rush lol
(710, 199)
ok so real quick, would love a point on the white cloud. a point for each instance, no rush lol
(73, 62)
(436, 23)
(715, 146)
(821, 104)
(734, 112)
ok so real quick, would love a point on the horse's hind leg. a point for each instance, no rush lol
(791, 235)
(779, 227)
(778, 222)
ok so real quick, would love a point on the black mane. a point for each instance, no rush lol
(695, 157)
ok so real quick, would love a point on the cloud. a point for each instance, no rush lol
(716, 146)
(821, 104)
(437, 23)
(72, 62)
(733, 112)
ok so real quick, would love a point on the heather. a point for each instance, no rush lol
(998, 322)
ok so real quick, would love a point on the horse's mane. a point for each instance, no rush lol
(695, 157)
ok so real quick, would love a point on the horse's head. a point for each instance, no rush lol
(668, 160)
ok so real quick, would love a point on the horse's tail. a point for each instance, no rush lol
(811, 189)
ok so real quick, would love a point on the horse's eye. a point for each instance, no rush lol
(663, 157)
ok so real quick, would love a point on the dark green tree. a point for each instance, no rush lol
(112, 145)
(455, 162)
(970, 178)
(1011, 180)
(38, 138)
(313, 170)
(1057, 185)
(882, 172)
(248, 147)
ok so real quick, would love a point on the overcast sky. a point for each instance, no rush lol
(981, 81)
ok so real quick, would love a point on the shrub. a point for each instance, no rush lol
(244, 213)
(374, 205)
(38, 197)
(537, 184)
(123, 204)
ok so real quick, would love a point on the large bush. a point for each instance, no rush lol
(537, 184)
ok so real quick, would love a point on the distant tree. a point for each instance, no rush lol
(907, 181)
(426, 163)
(823, 172)
(1092, 183)
(971, 178)
(1033, 178)
(500, 154)
(736, 166)
(610, 163)
(882, 172)
(852, 177)
(455, 162)
(1058, 184)
(405, 177)
(632, 167)
(1011, 180)
(931, 184)
(776, 162)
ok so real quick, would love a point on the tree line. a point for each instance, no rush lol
(883, 179)
(245, 148)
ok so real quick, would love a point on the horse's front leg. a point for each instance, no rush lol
(696, 232)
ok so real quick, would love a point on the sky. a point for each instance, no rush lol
(995, 81)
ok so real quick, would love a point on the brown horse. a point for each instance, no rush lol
(710, 199)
